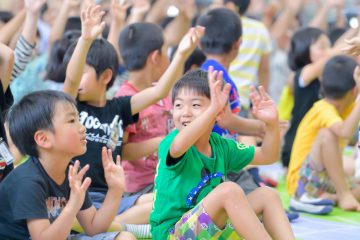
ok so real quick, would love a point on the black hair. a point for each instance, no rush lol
(299, 54)
(55, 69)
(194, 80)
(6, 16)
(196, 58)
(34, 112)
(338, 77)
(137, 41)
(241, 5)
(222, 30)
(101, 56)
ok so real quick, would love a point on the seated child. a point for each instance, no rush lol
(191, 198)
(41, 198)
(316, 160)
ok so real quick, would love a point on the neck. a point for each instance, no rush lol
(100, 101)
(55, 167)
(141, 79)
(340, 105)
(224, 60)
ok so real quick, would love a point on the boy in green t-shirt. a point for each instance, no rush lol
(192, 199)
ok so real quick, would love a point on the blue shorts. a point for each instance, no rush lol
(101, 236)
(127, 202)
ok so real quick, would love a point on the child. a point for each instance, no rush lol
(316, 160)
(191, 198)
(90, 72)
(139, 152)
(310, 49)
(41, 198)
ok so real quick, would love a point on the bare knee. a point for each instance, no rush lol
(326, 136)
(268, 194)
(229, 190)
(125, 236)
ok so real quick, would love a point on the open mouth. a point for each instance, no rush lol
(186, 123)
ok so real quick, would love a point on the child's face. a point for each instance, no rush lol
(319, 48)
(69, 137)
(89, 86)
(188, 105)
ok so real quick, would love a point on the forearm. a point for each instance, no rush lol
(106, 214)
(320, 19)
(157, 12)
(177, 29)
(270, 148)
(9, 29)
(30, 26)
(76, 66)
(6, 65)
(235, 123)
(137, 150)
(113, 37)
(60, 228)
(264, 72)
(58, 27)
(347, 128)
(22, 55)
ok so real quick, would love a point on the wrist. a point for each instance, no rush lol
(115, 192)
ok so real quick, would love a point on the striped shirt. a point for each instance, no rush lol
(22, 53)
(243, 70)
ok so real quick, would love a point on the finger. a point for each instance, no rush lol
(254, 96)
(219, 76)
(118, 160)
(100, 29)
(86, 183)
(226, 89)
(200, 31)
(76, 167)
(83, 171)
(88, 11)
(264, 95)
(71, 172)
(104, 157)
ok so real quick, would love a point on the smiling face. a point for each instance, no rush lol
(319, 48)
(69, 135)
(188, 105)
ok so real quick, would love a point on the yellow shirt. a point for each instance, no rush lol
(321, 115)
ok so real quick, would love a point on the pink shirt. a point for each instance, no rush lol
(154, 121)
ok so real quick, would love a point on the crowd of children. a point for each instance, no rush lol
(147, 118)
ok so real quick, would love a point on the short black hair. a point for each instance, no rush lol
(55, 69)
(137, 41)
(241, 5)
(222, 30)
(34, 112)
(194, 80)
(101, 56)
(6, 16)
(299, 54)
(338, 77)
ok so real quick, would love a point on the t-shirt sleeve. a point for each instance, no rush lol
(124, 106)
(28, 200)
(329, 116)
(239, 155)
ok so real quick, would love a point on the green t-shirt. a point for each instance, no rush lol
(181, 187)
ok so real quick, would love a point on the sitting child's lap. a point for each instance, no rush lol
(196, 223)
(314, 179)
(101, 236)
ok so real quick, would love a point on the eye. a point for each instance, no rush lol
(177, 105)
(196, 105)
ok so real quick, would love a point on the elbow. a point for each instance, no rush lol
(176, 150)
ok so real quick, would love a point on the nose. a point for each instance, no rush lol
(82, 128)
(186, 111)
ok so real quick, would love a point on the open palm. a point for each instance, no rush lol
(264, 107)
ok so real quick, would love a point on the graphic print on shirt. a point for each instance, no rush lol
(106, 133)
(206, 178)
(54, 207)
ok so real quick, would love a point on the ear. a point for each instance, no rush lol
(106, 76)
(237, 44)
(221, 114)
(42, 139)
(154, 56)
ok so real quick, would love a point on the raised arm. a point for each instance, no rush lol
(91, 28)
(197, 128)
(138, 11)
(6, 65)
(265, 110)
(26, 43)
(118, 14)
(137, 150)
(58, 27)
(353, 44)
(152, 95)
(12, 27)
(320, 19)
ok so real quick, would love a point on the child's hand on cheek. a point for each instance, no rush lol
(264, 107)
(114, 173)
(77, 185)
(91, 22)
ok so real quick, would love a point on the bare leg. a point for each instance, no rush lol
(266, 201)
(326, 153)
(228, 201)
(137, 214)
(125, 236)
(145, 198)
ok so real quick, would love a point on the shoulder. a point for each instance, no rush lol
(126, 89)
